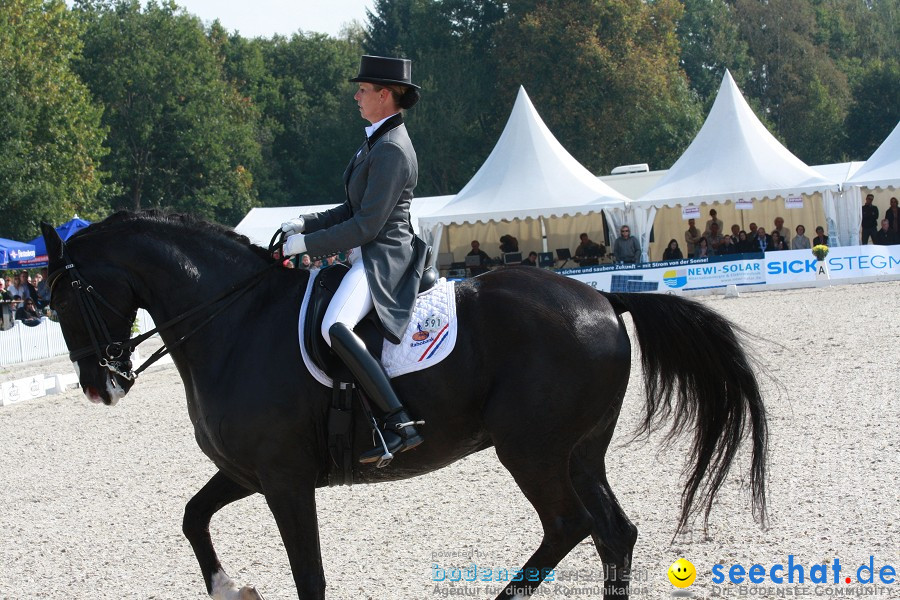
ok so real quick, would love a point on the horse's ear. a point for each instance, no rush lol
(52, 240)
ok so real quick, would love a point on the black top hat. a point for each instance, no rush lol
(385, 71)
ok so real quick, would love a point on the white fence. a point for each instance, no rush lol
(22, 343)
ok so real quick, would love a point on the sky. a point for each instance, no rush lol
(265, 18)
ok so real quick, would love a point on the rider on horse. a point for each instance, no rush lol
(386, 257)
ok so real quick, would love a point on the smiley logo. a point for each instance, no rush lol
(682, 573)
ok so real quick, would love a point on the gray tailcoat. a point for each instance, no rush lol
(379, 184)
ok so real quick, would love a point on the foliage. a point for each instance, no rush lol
(50, 133)
(820, 251)
(875, 110)
(604, 75)
(710, 43)
(180, 135)
(797, 84)
(117, 104)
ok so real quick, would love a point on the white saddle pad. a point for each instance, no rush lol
(428, 340)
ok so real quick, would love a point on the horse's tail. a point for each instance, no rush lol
(691, 353)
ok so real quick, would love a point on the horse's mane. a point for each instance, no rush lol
(188, 223)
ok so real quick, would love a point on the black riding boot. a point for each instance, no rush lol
(399, 431)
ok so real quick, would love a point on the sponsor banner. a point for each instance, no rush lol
(690, 212)
(790, 266)
(842, 263)
(742, 204)
(793, 202)
(674, 275)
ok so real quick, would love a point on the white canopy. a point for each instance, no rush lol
(882, 170)
(734, 156)
(527, 175)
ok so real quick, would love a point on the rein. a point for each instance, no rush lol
(112, 355)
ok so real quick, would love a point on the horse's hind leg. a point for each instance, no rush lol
(613, 533)
(218, 492)
(545, 482)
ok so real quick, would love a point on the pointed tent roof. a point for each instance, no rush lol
(883, 167)
(527, 175)
(734, 156)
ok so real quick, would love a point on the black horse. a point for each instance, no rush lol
(547, 361)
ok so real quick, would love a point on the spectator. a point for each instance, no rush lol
(4, 295)
(508, 244)
(800, 241)
(783, 231)
(673, 252)
(305, 262)
(821, 239)
(530, 260)
(702, 249)
(735, 230)
(43, 289)
(23, 288)
(869, 219)
(483, 259)
(743, 243)
(714, 239)
(588, 252)
(884, 236)
(892, 214)
(727, 246)
(626, 248)
(761, 242)
(692, 238)
(28, 311)
(713, 219)
(751, 231)
(777, 242)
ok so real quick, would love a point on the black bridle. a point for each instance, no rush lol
(116, 355)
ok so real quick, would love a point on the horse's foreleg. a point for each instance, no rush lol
(218, 492)
(293, 504)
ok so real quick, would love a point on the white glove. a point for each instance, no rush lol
(294, 226)
(295, 245)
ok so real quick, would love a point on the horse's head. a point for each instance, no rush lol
(96, 305)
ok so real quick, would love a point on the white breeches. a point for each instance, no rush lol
(352, 301)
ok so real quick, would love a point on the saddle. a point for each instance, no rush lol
(368, 330)
(340, 416)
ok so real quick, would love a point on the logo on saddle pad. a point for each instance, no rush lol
(426, 330)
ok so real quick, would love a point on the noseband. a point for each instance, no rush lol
(115, 356)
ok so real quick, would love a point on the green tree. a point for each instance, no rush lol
(710, 43)
(605, 77)
(315, 121)
(180, 135)
(794, 81)
(875, 110)
(50, 133)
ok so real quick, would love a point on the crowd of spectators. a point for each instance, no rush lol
(24, 297)
(711, 241)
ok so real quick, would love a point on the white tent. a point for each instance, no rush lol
(882, 170)
(260, 223)
(734, 157)
(528, 175)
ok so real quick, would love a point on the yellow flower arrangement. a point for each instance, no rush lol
(820, 251)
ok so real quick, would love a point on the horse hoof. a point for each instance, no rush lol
(248, 592)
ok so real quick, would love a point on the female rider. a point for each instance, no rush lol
(386, 257)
